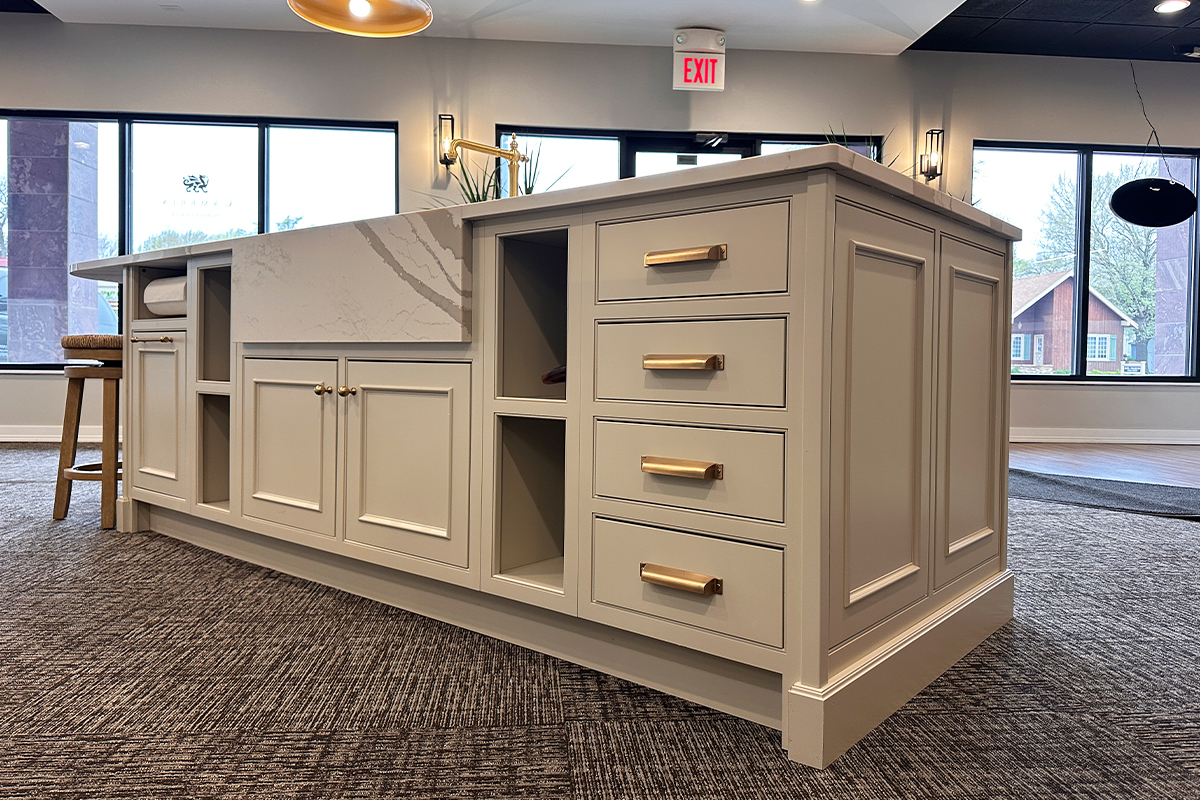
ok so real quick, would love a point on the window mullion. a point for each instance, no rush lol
(1193, 311)
(1083, 249)
(263, 200)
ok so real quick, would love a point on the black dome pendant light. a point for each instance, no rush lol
(1152, 202)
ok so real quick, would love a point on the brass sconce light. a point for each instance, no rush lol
(931, 159)
(445, 134)
(378, 18)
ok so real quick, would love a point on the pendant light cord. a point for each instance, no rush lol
(1153, 132)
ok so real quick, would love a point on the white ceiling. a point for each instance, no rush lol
(884, 27)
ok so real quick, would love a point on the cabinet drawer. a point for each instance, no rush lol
(755, 257)
(722, 471)
(750, 605)
(751, 365)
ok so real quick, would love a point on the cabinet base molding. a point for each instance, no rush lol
(824, 723)
(744, 691)
(132, 516)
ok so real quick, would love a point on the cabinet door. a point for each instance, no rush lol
(157, 378)
(880, 411)
(972, 383)
(289, 442)
(408, 458)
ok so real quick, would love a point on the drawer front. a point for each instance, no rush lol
(723, 471)
(750, 605)
(755, 240)
(752, 361)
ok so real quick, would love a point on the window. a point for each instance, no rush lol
(319, 176)
(1131, 289)
(563, 162)
(74, 198)
(58, 203)
(562, 158)
(1020, 347)
(1101, 347)
(192, 183)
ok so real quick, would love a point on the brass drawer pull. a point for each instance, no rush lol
(665, 258)
(703, 362)
(157, 339)
(682, 468)
(682, 580)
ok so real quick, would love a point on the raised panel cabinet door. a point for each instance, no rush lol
(156, 403)
(408, 453)
(880, 418)
(972, 380)
(289, 442)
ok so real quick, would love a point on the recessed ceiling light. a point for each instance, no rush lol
(1171, 6)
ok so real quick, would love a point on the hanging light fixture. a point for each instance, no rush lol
(1152, 202)
(378, 18)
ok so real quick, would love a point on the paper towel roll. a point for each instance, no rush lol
(166, 297)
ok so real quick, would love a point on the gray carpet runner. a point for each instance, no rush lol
(140, 667)
(1142, 498)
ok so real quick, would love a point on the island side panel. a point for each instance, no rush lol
(405, 278)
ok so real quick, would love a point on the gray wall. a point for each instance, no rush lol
(48, 65)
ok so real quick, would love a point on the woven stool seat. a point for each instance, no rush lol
(91, 341)
(93, 346)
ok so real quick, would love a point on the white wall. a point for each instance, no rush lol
(45, 64)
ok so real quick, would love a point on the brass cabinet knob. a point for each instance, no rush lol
(321, 389)
(345, 390)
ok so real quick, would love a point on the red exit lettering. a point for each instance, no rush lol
(699, 70)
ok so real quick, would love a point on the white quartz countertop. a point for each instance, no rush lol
(832, 157)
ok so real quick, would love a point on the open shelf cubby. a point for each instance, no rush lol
(214, 450)
(532, 501)
(144, 276)
(214, 295)
(533, 313)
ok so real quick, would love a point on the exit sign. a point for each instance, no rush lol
(703, 72)
(699, 64)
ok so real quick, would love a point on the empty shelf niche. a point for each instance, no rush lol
(214, 297)
(214, 450)
(532, 490)
(533, 314)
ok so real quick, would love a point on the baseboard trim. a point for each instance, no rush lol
(46, 433)
(1104, 436)
(824, 723)
(734, 688)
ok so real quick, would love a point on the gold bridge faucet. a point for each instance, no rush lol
(514, 157)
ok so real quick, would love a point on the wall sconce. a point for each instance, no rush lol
(931, 159)
(445, 133)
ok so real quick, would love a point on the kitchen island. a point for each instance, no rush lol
(773, 481)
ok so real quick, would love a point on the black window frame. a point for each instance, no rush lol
(631, 141)
(124, 122)
(1083, 199)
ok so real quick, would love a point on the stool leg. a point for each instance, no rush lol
(70, 442)
(108, 457)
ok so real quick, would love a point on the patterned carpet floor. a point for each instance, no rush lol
(137, 666)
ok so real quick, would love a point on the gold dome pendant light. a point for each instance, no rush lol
(379, 18)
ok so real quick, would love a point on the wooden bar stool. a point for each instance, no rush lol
(107, 350)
